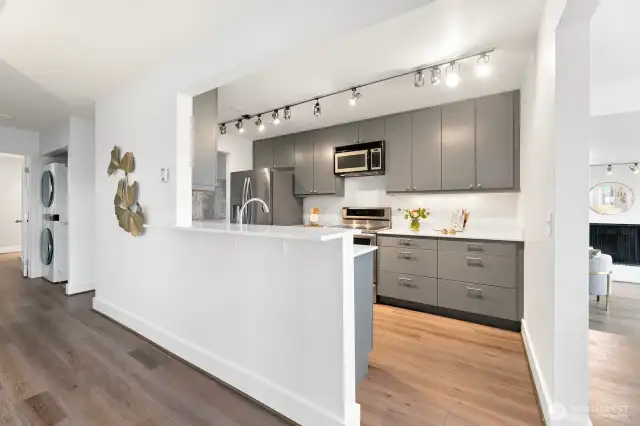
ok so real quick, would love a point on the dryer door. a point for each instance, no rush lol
(47, 188)
(46, 246)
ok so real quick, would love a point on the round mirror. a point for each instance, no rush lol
(611, 198)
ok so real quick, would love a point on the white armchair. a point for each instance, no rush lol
(600, 269)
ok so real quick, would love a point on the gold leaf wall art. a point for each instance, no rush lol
(128, 211)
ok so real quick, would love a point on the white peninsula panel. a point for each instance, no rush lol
(270, 313)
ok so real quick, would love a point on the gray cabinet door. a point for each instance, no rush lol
(283, 151)
(262, 153)
(303, 166)
(398, 153)
(345, 134)
(458, 146)
(372, 130)
(495, 142)
(324, 181)
(426, 141)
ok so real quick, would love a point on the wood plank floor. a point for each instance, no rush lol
(63, 364)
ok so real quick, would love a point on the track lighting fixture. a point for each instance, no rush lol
(355, 95)
(276, 117)
(453, 74)
(635, 169)
(436, 76)
(223, 129)
(483, 69)
(418, 79)
(317, 109)
(287, 113)
(609, 171)
(239, 126)
(260, 124)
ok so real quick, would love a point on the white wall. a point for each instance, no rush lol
(151, 118)
(19, 142)
(615, 97)
(81, 175)
(615, 138)
(623, 175)
(239, 157)
(56, 137)
(11, 206)
(369, 191)
(553, 206)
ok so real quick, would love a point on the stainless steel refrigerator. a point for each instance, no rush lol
(274, 187)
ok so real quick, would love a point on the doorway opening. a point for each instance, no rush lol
(14, 233)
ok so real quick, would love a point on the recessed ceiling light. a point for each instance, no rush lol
(6, 117)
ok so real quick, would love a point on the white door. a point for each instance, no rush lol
(26, 186)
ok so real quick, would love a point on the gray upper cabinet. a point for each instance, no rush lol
(283, 151)
(372, 130)
(458, 146)
(426, 142)
(262, 153)
(398, 152)
(324, 179)
(495, 141)
(303, 169)
(344, 134)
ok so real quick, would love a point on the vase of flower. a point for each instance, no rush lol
(414, 216)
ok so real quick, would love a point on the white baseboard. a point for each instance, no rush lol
(10, 249)
(281, 400)
(541, 386)
(74, 287)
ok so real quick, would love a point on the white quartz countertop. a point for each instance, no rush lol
(267, 231)
(359, 250)
(493, 233)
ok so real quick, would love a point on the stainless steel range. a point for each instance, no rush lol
(369, 220)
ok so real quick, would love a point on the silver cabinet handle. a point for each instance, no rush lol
(415, 188)
(471, 186)
(474, 261)
(408, 188)
(475, 247)
(18, 221)
(405, 254)
(404, 242)
(474, 292)
(406, 282)
(479, 185)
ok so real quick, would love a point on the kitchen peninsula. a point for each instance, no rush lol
(269, 310)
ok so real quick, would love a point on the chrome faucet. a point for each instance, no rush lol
(265, 208)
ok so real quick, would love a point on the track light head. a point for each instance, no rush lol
(240, 126)
(609, 171)
(418, 79)
(223, 129)
(287, 113)
(317, 109)
(260, 124)
(635, 169)
(483, 69)
(436, 76)
(276, 117)
(355, 95)
(453, 74)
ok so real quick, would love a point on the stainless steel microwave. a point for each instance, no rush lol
(360, 159)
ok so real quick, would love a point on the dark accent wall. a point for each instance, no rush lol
(622, 242)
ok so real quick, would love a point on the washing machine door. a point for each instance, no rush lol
(46, 246)
(47, 188)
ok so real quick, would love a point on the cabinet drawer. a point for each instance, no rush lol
(408, 242)
(408, 287)
(408, 261)
(498, 271)
(479, 299)
(499, 248)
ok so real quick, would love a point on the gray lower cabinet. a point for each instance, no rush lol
(398, 153)
(408, 287)
(479, 277)
(283, 151)
(262, 153)
(495, 141)
(478, 299)
(372, 130)
(303, 164)
(458, 146)
(426, 145)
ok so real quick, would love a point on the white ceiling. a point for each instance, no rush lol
(614, 41)
(57, 56)
(434, 33)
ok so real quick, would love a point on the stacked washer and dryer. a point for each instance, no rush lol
(54, 240)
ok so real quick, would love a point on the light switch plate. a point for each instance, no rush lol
(164, 175)
(549, 224)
